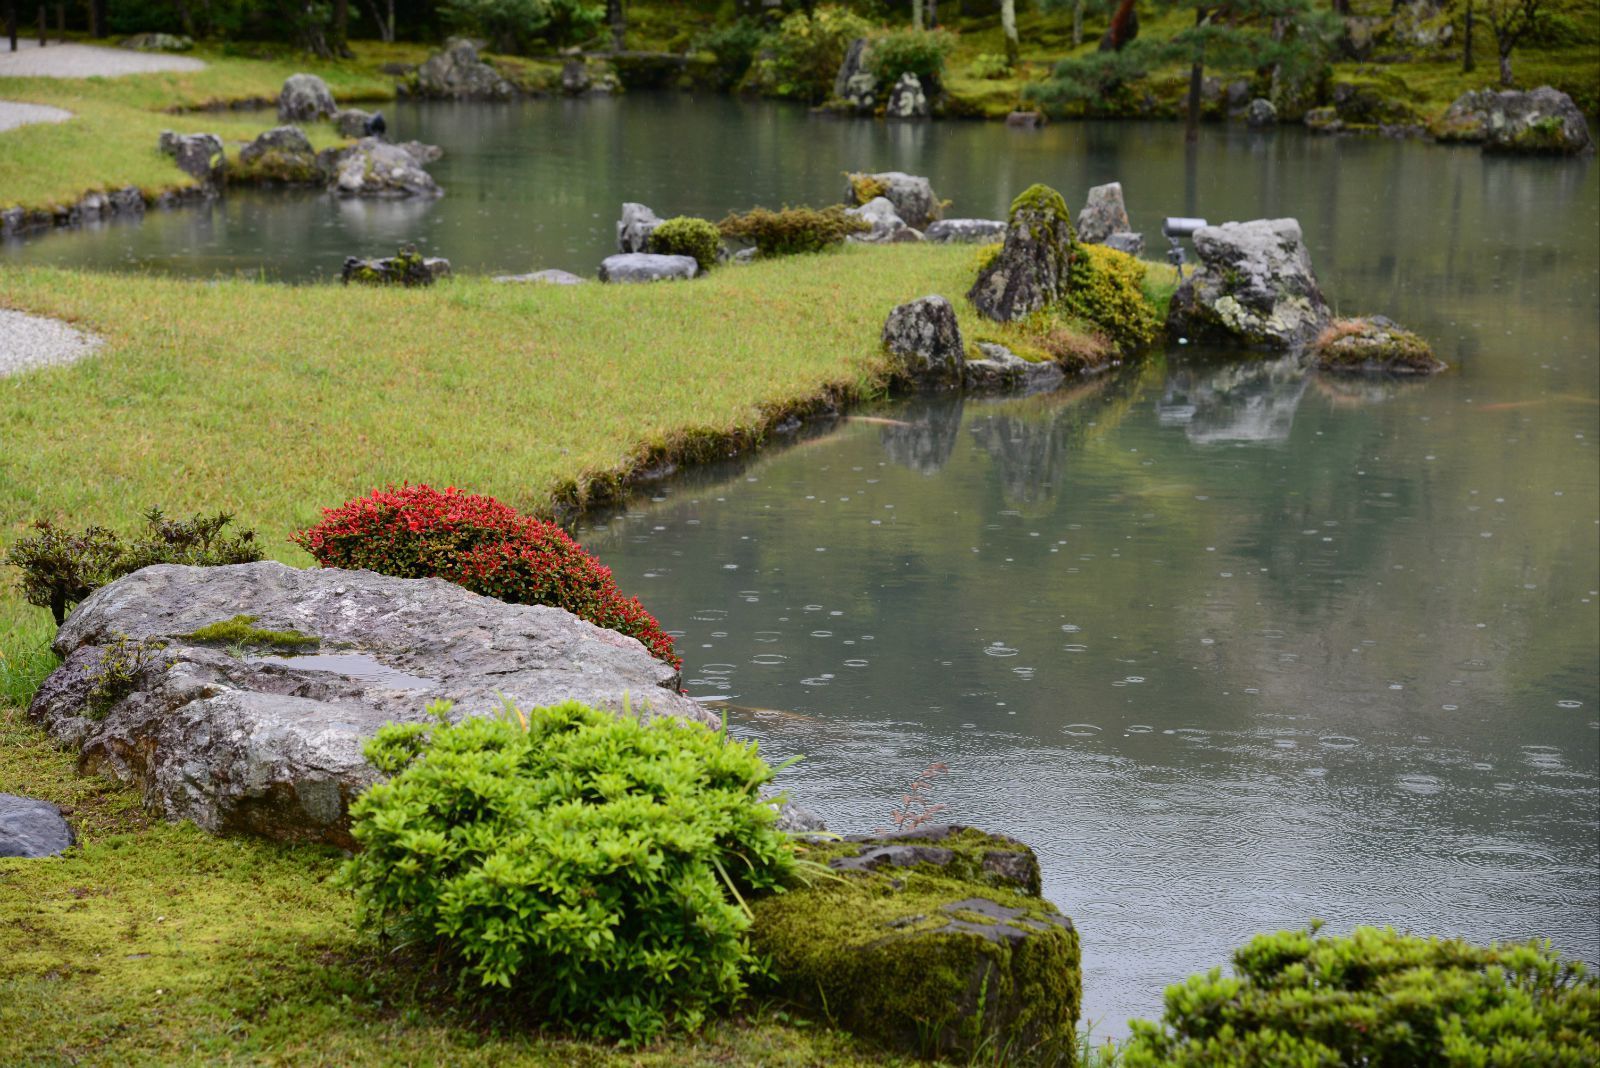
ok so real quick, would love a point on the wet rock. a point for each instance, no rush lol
(260, 742)
(156, 42)
(1237, 94)
(31, 828)
(305, 98)
(1261, 113)
(647, 267)
(924, 339)
(92, 206)
(127, 201)
(966, 231)
(1103, 214)
(1030, 272)
(906, 99)
(922, 946)
(1025, 120)
(1001, 369)
(878, 213)
(635, 227)
(376, 168)
(281, 154)
(854, 87)
(912, 196)
(1132, 244)
(352, 122)
(1324, 120)
(797, 819)
(1254, 286)
(456, 73)
(200, 156)
(1541, 121)
(409, 268)
(1373, 345)
(575, 80)
(550, 277)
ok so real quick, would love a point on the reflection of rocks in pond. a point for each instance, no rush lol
(1347, 391)
(1027, 451)
(1246, 401)
(924, 435)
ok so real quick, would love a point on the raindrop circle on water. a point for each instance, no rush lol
(1080, 730)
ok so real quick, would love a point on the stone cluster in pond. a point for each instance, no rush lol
(1254, 286)
(456, 73)
(1373, 345)
(254, 740)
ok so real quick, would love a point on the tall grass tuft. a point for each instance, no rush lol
(25, 661)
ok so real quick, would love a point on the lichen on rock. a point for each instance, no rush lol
(1373, 345)
(1030, 272)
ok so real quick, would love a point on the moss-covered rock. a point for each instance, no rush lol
(932, 941)
(1030, 273)
(1373, 345)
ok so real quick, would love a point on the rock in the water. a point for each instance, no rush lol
(854, 85)
(1001, 368)
(1103, 214)
(878, 213)
(1025, 120)
(934, 942)
(1030, 272)
(1261, 113)
(1132, 244)
(375, 168)
(352, 122)
(458, 74)
(575, 80)
(1374, 345)
(282, 154)
(256, 741)
(906, 99)
(797, 819)
(200, 156)
(31, 828)
(912, 196)
(1254, 286)
(635, 227)
(925, 341)
(550, 277)
(1323, 120)
(305, 98)
(647, 267)
(409, 268)
(966, 231)
(1541, 121)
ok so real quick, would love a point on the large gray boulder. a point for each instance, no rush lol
(31, 828)
(1261, 113)
(924, 340)
(200, 156)
(248, 739)
(966, 231)
(1541, 121)
(1254, 286)
(281, 139)
(282, 154)
(907, 99)
(1103, 214)
(912, 196)
(638, 222)
(647, 267)
(854, 87)
(1132, 244)
(879, 214)
(458, 74)
(305, 98)
(1030, 272)
(375, 168)
(353, 122)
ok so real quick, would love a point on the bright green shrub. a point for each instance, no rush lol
(801, 57)
(1105, 287)
(1377, 998)
(792, 230)
(687, 236)
(594, 866)
(990, 66)
(919, 52)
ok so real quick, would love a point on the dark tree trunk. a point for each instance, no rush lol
(1506, 80)
(97, 19)
(339, 35)
(617, 19)
(185, 18)
(1124, 27)
(1468, 64)
(1191, 132)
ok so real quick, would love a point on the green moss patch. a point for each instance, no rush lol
(240, 630)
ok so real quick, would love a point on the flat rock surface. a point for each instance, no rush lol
(85, 61)
(14, 114)
(31, 341)
(31, 828)
(259, 740)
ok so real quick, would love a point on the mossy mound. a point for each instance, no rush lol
(275, 167)
(1105, 288)
(923, 944)
(241, 630)
(1030, 271)
(1373, 345)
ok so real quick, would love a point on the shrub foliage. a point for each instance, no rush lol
(1376, 998)
(686, 235)
(594, 866)
(792, 230)
(62, 567)
(919, 52)
(801, 57)
(484, 545)
(1105, 287)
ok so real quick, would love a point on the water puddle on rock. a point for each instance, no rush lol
(358, 666)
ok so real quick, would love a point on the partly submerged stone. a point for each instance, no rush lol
(647, 267)
(924, 340)
(456, 73)
(933, 941)
(1103, 214)
(912, 195)
(375, 168)
(966, 231)
(257, 737)
(1000, 368)
(282, 154)
(1541, 121)
(305, 98)
(1373, 345)
(31, 828)
(408, 268)
(1261, 113)
(1254, 286)
(1030, 271)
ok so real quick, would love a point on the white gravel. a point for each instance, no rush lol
(31, 341)
(84, 61)
(14, 114)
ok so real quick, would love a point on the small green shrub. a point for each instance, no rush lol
(1105, 287)
(1376, 998)
(60, 567)
(687, 236)
(866, 187)
(595, 867)
(800, 58)
(984, 255)
(241, 631)
(989, 66)
(919, 52)
(123, 665)
(733, 47)
(793, 230)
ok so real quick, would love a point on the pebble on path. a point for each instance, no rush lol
(31, 341)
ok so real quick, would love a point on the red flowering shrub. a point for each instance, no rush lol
(486, 546)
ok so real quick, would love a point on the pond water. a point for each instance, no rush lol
(1231, 646)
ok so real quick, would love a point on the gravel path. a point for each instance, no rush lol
(30, 341)
(83, 61)
(13, 114)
